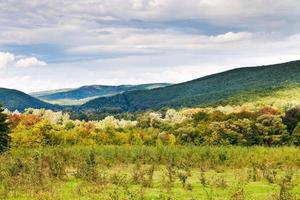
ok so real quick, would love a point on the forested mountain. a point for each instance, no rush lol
(231, 86)
(86, 93)
(17, 100)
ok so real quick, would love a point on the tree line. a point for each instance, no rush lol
(243, 126)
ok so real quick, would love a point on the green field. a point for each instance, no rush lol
(141, 172)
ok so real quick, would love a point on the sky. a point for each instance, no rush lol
(53, 44)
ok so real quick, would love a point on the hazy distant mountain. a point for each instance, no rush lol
(86, 93)
(17, 100)
(49, 92)
(234, 86)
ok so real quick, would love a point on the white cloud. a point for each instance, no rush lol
(142, 40)
(29, 62)
(232, 37)
(170, 57)
(57, 11)
(73, 21)
(137, 41)
(10, 60)
(6, 59)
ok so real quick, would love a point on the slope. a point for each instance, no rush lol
(17, 100)
(83, 94)
(219, 88)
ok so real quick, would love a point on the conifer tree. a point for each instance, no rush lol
(4, 131)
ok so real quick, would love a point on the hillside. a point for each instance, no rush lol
(83, 94)
(49, 92)
(234, 86)
(16, 100)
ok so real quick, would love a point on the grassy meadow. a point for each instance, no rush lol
(144, 172)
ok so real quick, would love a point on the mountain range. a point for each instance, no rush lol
(77, 96)
(233, 86)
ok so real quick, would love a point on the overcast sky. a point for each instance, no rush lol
(53, 44)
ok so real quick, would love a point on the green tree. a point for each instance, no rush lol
(291, 119)
(271, 131)
(200, 116)
(4, 131)
(296, 135)
(224, 133)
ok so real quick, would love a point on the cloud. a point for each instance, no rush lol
(169, 56)
(138, 41)
(29, 62)
(57, 11)
(232, 37)
(73, 21)
(141, 42)
(6, 59)
(142, 26)
(10, 60)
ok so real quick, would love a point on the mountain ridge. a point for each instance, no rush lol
(231, 86)
(205, 91)
(16, 100)
(85, 93)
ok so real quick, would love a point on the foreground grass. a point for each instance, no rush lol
(139, 172)
(220, 186)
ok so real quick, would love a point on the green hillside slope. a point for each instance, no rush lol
(231, 86)
(16, 100)
(83, 94)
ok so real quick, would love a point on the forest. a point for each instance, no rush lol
(239, 125)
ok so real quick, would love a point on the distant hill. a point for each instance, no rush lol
(16, 100)
(49, 92)
(234, 86)
(83, 94)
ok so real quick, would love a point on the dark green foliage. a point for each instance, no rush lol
(200, 116)
(232, 86)
(291, 119)
(271, 130)
(295, 138)
(4, 130)
(16, 100)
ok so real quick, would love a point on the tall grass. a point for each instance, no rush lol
(133, 170)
